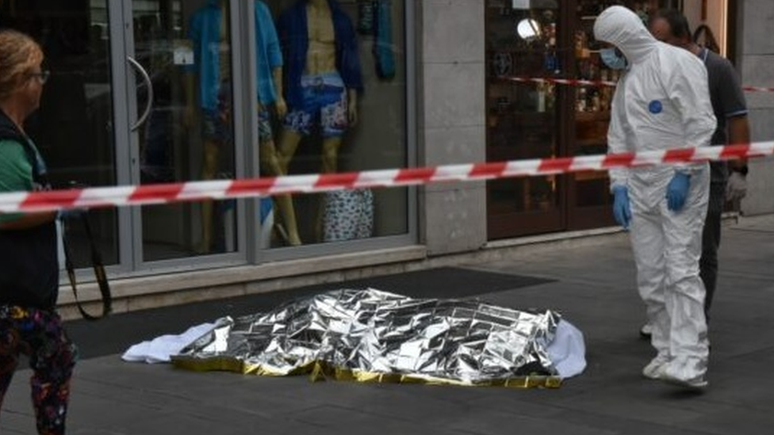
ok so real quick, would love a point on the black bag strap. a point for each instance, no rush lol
(99, 271)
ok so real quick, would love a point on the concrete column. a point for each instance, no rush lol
(756, 65)
(452, 87)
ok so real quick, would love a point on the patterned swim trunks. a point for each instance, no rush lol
(265, 132)
(324, 102)
(217, 124)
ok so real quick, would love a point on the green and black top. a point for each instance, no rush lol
(29, 268)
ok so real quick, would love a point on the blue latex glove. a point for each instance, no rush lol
(622, 210)
(677, 191)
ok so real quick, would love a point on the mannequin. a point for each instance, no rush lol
(323, 79)
(323, 76)
(209, 31)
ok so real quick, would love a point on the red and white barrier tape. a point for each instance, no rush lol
(756, 89)
(223, 189)
(569, 82)
(599, 83)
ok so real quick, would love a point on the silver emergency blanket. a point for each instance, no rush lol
(371, 335)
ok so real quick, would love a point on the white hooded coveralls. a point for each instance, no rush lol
(662, 102)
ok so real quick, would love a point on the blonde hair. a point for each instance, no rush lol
(19, 54)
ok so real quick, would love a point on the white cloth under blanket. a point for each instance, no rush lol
(568, 350)
(160, 349)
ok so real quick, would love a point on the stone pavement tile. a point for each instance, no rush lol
(735, 341)
(186, 389)
(424, 404)
(745, 383)
(176, 423)
(453, 394)
(107, 412)
(622, 424)
(645, 401)
(732, 420)
(129, 394)
(577, 302)
(228, 409)
(16, 422)
(584, 268)
(526, 403)
(487, 422)
(732, 284)
(333, 419)
(599, 373)
(269, 398)
(755, 362)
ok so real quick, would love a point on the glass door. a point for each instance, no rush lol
(522, 118)
(181, 55)
(76, 124)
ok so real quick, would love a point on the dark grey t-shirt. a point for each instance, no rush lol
(727, 102)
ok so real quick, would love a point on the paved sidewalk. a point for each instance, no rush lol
(591, 284)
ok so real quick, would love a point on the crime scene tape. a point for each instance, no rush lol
(557, 81)
(113, 196)
(600, 83)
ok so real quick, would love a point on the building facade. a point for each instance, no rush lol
(755, 62)
(164, 91)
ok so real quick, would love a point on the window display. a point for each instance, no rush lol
(528, 120)
(209, 85)
(522, 118)
(72, 125)
(345, 88)
(592, 103)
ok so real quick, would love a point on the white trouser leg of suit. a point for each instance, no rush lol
(667, 248)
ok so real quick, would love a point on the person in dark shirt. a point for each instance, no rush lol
(728, 103)
(29, 270)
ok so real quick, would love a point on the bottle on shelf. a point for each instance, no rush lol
(541, 98)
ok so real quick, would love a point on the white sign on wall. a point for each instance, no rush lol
(520, 4)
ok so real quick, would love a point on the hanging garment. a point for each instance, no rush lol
(383, 43)
(365, 16)
(348, 215)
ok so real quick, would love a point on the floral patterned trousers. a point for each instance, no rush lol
(39, 335)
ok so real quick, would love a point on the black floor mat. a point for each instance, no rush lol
(117, 332)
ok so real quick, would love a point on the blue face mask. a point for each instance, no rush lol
(612, 59)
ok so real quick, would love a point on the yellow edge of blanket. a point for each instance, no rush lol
(320, 371)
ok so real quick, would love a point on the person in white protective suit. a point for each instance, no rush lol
(661, 102)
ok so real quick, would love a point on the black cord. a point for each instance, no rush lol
(98, 266)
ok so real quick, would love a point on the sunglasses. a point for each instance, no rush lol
(42, 76)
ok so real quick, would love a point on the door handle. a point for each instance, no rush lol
(145, 78)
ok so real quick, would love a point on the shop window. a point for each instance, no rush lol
(522, 117)
(186, 47)
(532, 120)
(343, 79)
(72, 127)
(592, 103)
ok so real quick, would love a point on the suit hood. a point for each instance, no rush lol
(621, 27)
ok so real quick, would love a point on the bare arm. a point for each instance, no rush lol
(738, 133)
(282, 107)
(352, 106)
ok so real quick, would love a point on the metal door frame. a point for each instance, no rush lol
(125, 106)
